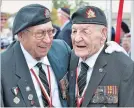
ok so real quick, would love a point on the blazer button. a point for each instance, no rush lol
(72, 73)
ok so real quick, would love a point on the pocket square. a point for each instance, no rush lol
(64, 86)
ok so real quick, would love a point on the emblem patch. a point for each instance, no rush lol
(90, 13)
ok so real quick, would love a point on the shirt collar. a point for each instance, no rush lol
(31, 61)
(91, 60)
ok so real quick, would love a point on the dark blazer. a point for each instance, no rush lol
(15, 73)
(65, 34)
(114, 70)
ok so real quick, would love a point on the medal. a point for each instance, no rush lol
(28, 88)
(30, 97)
(16, 100)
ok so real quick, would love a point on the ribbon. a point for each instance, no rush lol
(119, 20)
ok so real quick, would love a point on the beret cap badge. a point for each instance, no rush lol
(46, 13)
(90, 13)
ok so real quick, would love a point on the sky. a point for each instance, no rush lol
(12, 6)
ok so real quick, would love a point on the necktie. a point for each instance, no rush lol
(82, 77)
(44, 81)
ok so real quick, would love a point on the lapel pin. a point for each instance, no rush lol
(28, 88)
(16, 100)
(15, 90)
(30, 97)
(101, 70)
(32, 102)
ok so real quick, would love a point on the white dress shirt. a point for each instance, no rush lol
(90, 62)
(54, 87)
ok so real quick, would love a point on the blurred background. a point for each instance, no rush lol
(9, 8)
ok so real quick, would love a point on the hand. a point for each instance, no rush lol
(113, 46)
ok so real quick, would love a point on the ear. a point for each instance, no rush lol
(104, 34)
(20, 36)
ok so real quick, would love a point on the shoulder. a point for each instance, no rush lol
(123, 63)
(7, 56)
(121, 58)
(8, 52)
(60, 46)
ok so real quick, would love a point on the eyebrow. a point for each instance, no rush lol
(81, 28)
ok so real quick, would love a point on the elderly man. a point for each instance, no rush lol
(97, 79)
(33, 71)
(34, 68)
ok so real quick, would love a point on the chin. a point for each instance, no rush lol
(81, 54)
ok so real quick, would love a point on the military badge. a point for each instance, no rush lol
(47, 13)
(16, 100)
(30, 97)
(15, 90)
(28, 88)
(106, 94)
(90, 13)
(64, 86)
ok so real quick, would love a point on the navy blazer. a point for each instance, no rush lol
(15, 73)
(65, 34)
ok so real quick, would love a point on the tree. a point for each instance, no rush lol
(60, 3)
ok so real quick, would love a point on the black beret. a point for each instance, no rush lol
(30, 15)
(125, 27)
(89, 15)
(66, 10)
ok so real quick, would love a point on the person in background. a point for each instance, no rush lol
(124, 29)
(97, 79)
(57, 30)
(4, 31)
(66, 28)
(126, 43)
(113, 34)
(30, 72)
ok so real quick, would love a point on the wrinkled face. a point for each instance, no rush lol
(87, 39)
(37, 40)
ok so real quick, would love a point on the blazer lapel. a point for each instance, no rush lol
(72, 78)
(25, 80)
(58, 70)
(97, 76)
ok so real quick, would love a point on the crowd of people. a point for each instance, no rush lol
(71, 66)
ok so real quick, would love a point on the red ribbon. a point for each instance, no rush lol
(119, 20)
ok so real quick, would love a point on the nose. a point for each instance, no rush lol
(47, 39)
(77, 37)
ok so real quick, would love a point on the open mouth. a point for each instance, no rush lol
(81, 46)
(42, 46)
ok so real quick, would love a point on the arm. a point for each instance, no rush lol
(113, 46)
(1, 96)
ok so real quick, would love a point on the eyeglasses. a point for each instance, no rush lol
(42, 33)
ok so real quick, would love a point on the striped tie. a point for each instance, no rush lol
(82, 77)
(44, 81)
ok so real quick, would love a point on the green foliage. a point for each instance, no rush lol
(60, 3)
(72, 4)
